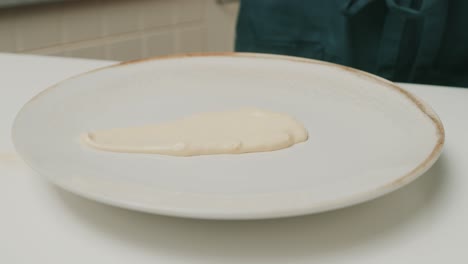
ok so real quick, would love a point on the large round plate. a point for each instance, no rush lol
(367, 136)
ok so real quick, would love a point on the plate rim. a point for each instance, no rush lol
(360, 197)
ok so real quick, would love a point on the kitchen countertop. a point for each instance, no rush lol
(424, 222)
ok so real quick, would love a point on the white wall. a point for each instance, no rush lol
(118, 29)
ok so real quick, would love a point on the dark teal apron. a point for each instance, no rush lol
(419, 41)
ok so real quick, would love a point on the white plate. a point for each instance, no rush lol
(367, 136)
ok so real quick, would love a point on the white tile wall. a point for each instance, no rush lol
(38, 26)
(190, 40)
(220, 23)
(159, 44)
(158, 14)
(189, 10)
(7, 32)
(118, 29)
(127, 49)
(93, 52)
(120, 16)
(81, 21)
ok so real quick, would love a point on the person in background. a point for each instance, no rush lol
(416, 41)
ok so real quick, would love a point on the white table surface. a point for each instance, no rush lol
(425, 222)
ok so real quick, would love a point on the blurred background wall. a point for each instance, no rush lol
(118, 29)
